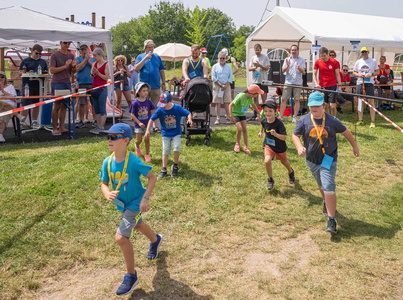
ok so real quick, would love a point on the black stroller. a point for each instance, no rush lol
(196, 98)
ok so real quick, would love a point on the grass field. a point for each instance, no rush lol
(225, 235)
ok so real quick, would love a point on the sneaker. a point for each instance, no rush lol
(294, 119)
(94, 124)
(324, 209)
(80, 124)
(162, 173)
(291, 177)
(217, 122)
(270, 183)
(154, 248)
(174, 172)
(372, 125)
(129, 282)
(247, 151)
(251, 119)
(35, 125)
(331, 225)
(147, 158)
(237, 148)
(95, 131)
(48, 127)
(2, 139)
(339, 110)
(361, 122)
(138, 151)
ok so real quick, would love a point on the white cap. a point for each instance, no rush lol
(225, 50)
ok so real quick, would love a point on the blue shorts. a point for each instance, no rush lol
(369, 89)
(166, 144)
(61, 86)
(324, 178)
(126, 88)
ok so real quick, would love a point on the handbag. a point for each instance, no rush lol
(97, 92)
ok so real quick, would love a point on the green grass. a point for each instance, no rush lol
(226, 236)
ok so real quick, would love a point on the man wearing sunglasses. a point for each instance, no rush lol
(365, 69)
(30, 65)
(62, 65)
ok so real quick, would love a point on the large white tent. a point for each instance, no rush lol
(286, 26)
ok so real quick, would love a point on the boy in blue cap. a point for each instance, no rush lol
(170, 115)
(123, 170)
(318, 130)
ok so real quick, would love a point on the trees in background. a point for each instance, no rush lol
(168, 22)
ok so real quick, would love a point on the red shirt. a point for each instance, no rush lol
(327, 71)
(382, 71)
(98, 81)
(346, 78)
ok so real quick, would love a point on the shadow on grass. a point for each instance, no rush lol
(20, 234)
(165, 287)
(351, 228)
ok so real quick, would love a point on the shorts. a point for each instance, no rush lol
(87, 86)
(369, 89)
(142, 130)
(330, 97)
(296, 93)
(324, 178)
(61, 86)
(280, 156)
(226, 97)
(232, 85)
(239, 118)
(126, 88)
(166, 144)
(264, 88)
(128, 222)
(154, 96)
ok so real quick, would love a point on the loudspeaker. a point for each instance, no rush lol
(275, 74)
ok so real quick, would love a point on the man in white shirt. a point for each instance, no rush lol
(293, 67)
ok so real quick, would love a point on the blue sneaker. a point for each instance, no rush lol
(154, 248)
(129, 282)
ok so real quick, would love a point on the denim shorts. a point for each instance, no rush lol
(128, 222)
(126, 88)
(99, 103)
(166, 144)
(369, 89)
(61, 86)
(142, 130)
(324, 178)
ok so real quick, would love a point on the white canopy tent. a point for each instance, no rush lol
(334, 30)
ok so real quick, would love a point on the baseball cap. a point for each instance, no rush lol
(148, 42)
(270, 104)
(165, 98)
(120, 128)
(139, 85)
(316, 99)
(255, 89)
(225, 50)
(364, 49)
(83, 46)
(203, 50)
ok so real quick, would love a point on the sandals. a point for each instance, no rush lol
(237, 148)
(56, 133)
(247, 151)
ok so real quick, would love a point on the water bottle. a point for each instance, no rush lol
(26, 90)
(39, 70)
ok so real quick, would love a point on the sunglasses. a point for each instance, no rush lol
(38, 53)
(120, 60)
(345, 70)
(221, 58)
(332, 55)
(364, 51)
(2, 76)
(114, 137)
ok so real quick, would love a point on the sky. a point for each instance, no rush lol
(241, 13)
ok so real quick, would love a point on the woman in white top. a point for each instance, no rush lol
(6, 104)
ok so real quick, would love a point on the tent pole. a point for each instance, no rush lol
(2, 65)
(342, 55)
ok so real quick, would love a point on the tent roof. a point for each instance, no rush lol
(328, 28)
(23, 27)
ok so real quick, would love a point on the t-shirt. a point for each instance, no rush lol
(277, 145)
(150, 72)
(142, 111)
(293, 75)
(364, 67)
(83, 76)
(32, 64)
(382, 71)
(345, 78)
(170, 119)
(259, 74)
(59, 59)
(131, 190)
(307, 130)
(241, 105)
(327, 71)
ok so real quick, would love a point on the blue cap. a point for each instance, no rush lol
(120, 128)
(165, 98)
(316, 99)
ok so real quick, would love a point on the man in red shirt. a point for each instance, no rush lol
(329, 77)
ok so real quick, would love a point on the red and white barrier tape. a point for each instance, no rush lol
(382, 115)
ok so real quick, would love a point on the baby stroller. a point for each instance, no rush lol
(196, 98)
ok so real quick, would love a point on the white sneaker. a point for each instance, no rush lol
(2, 139)
(294, 119)
(35, 125)
(95, 131)
(217, 122)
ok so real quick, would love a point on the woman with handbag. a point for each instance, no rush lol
(100, 74)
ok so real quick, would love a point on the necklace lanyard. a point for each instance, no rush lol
(321, 131)
(123, 172)
(191, 62)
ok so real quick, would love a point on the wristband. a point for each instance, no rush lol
(146, 198)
